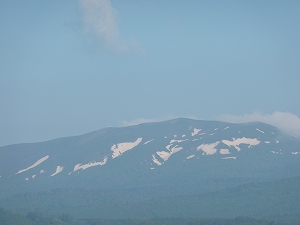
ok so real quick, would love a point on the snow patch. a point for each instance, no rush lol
(26, 178)
(148, 141)
(295, 153)
(277, 152)
(277, 141)
(35, 164)
(267, 142)
(58, 170)
(156, 161)
(260, 131)
(236, 142)
(33, 176)
(90, 164)
(178, 141)
(209, 149)
(225, 128)
(224, 151)
(195, 132)
(233, 157)
(42, 171)
(166, 155)
(191, 156)
(119, 149)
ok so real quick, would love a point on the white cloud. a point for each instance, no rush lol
(285, 121)
(100, 19)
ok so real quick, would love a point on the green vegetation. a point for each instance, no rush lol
(277, 200)
(34, 218)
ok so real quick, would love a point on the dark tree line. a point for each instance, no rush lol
(36, 218)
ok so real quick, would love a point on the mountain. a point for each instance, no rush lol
(179, 157)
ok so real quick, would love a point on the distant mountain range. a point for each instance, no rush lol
(130, 165)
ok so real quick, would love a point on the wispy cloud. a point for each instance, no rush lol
(285, 121)
(100, 20)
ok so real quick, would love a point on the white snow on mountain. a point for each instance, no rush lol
(232, 157)
(195, 132)
(166, 155)
(277, 152)
(90, 164)
(260, 131)
(35, 164)
(224, 151)
(209, 149)
(178, 141)
(236, 142)
(148, 141)
(58, 170)
(119, 149)
(155, 160)
(191, 156)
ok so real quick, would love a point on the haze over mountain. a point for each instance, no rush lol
(152, 160)
(71, 67)
(137, 69)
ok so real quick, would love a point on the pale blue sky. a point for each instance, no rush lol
(71, 67)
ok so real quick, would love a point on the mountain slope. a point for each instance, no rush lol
(206, 155)
(271, 200)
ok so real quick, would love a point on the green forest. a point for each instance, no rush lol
(35, 218)
(277, 200)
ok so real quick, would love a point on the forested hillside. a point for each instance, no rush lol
(9, 218)
(272, 200)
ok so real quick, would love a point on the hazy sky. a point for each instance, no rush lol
(71, 67)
